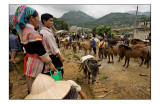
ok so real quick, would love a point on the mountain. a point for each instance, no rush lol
(11, 18)
(81, 19)
(139, 13)
(117, 19)
(76, 18)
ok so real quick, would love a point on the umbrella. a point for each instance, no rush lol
(127, 34)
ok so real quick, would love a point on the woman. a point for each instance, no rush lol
(37, 60)
(48, 88)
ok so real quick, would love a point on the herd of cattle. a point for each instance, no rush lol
(133, 48)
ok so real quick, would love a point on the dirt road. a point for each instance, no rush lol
(113, 82)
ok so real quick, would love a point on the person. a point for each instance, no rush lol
(14, 45)
(70, 38)
(16, 49)
(104, 36)
(78, 36)
(48, 32)
(101, 45)
(106, 44)
(106, 41)
(93, 42)
(36, 61)
(94, 35)
(45, 87)
(73, 36)
(110, 35)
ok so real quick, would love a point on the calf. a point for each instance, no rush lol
(90, 67)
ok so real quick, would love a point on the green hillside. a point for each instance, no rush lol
(76, 18)
(117, 20)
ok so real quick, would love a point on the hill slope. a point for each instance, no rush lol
(116, 19)
(76, 18)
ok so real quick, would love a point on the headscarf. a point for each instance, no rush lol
(20, 17)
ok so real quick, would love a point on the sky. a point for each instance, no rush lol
(95, 11)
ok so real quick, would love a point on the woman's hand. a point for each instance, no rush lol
(51, 66)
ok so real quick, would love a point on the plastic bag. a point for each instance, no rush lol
(57, 75)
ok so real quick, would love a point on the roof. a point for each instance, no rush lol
(144, 21)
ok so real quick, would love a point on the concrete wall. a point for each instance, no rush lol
(142, 35)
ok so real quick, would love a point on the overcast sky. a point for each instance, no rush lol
(96, 11)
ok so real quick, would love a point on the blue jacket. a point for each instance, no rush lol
(93, 43)
(14, 43)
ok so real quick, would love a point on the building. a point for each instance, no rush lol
(77, 29)
(143, 30)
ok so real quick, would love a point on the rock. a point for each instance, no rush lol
(143, 75)
(67, 61)
(101, 96)
(100, 90)
(148, 90)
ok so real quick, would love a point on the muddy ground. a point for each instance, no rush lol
(113, 82)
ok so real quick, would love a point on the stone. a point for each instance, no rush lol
(100, 90)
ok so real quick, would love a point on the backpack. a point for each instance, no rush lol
(100, 48)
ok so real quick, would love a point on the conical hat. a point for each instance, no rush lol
(45, 87)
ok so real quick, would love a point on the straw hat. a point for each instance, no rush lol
(45, 87)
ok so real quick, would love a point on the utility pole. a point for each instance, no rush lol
(135, 21)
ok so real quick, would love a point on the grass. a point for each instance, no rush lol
(105, 77)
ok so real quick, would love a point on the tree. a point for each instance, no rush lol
(100, 30)
(94, 30)
(60, 24)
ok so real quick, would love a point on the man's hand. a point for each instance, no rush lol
(51, 66)
(62, 59)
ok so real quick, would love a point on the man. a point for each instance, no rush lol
(14, 48)
(104, 36)
(101, 45)
(73, 36)
(93, 42)
(48, 32)
(70, 38)
(78, 36)
(14, 45)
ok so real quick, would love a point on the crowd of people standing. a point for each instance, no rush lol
(42, 53)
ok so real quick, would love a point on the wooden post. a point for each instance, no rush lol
(135, 21)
